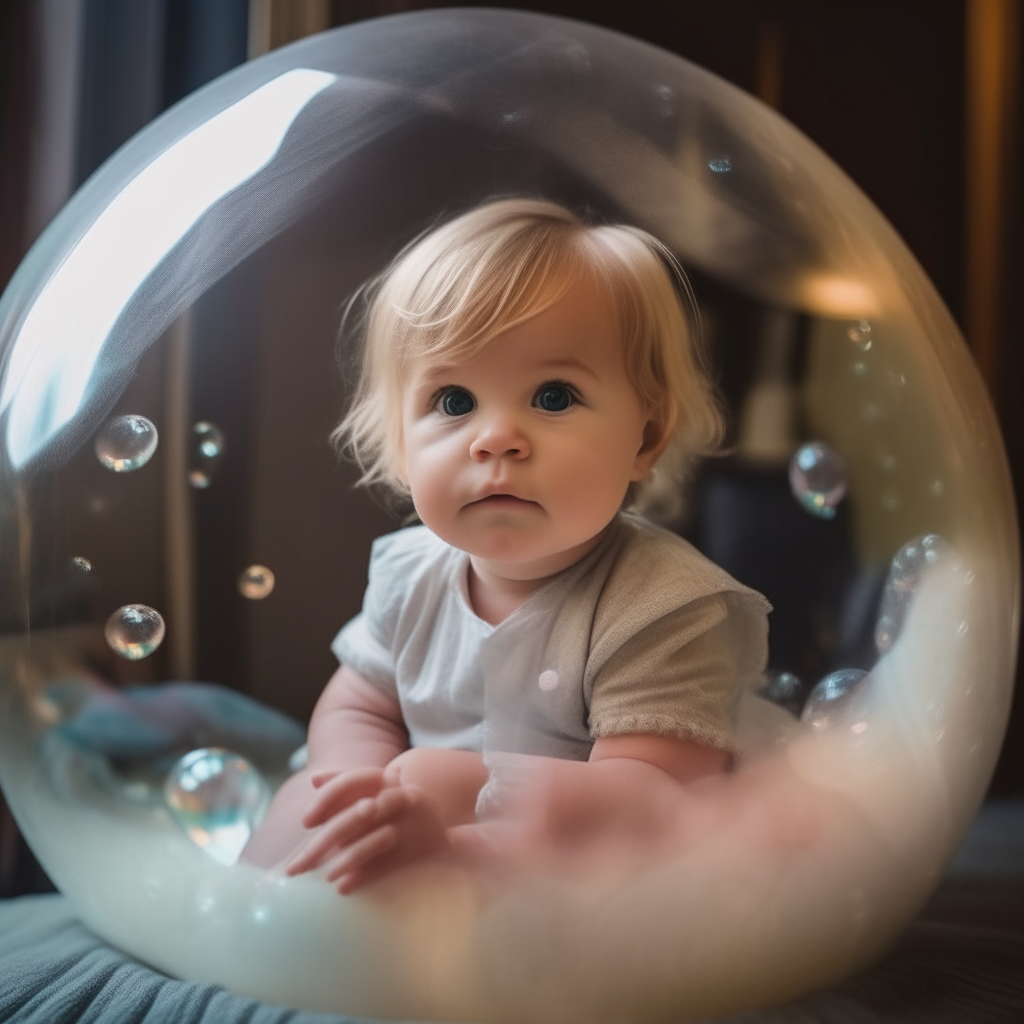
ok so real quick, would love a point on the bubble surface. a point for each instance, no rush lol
(859, 333)
(784, 689)
(218, 798)
(256, 582)
(830, 700)
(126, 443)
(817, 476)
(905, 572)
(135, 631)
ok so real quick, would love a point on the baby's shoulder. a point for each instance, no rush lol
(404, 561)
(659, 571)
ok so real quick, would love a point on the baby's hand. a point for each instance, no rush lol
(369, 824)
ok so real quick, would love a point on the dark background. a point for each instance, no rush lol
(905, 95)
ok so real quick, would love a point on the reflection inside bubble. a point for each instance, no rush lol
(126, 443)
(256, 582)
(817, 476)
(830, 700)
(905, 574)
(218, 798)
(135, 631)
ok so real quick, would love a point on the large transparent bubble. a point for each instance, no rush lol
(197, 281)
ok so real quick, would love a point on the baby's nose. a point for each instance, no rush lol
(499, 436)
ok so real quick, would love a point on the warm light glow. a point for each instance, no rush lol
(832, 295)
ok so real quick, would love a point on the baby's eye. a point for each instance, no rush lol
(456, 402)
(554, 398)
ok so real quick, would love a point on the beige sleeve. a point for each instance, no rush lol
(682, 674)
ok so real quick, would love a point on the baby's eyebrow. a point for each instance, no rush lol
(568, 364)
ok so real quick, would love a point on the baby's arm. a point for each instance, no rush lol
(355, 725)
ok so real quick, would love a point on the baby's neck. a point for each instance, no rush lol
(495, 592)
(494, 598)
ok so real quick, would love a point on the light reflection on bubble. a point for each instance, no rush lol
(199, 480)
(817, 476)
(256, 583)
(135, 631)
(784, 689)
(830, 699)
(126, 443)
(860, 334)
(218, 798)
(81, 564)
(207, 449)
(720, 165)
(905, 571)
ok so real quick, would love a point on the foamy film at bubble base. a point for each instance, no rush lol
(199, 274)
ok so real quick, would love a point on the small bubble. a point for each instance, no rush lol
(860, 334)
(256, 583)
(905, 573)
(817, 477)
(720, 165)
(784, 689)
(81, 564)
(969, 577)
(135, 631)
(209, 439)
(860, 368)
(896, 380)
(207, 449)
(126, 443)
(548, 679)
(961, 630)
(831, 698)
(937, 488)
(218, 798)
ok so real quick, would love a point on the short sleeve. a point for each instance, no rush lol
(681, 675)
(366, 644)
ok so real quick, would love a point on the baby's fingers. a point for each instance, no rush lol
(342, 830)
(340, 791)
(370, 848)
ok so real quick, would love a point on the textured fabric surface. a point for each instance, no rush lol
(53, 970)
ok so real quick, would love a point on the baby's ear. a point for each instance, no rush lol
(657, 435)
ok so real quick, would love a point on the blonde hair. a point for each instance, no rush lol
(453, 289)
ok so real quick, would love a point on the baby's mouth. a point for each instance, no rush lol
(500, 501)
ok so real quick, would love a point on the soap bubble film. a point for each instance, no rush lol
(126, 443)
(218, 798)
(135, 631)
(818, 478)
(241, 221)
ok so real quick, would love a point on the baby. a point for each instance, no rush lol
(526, 377)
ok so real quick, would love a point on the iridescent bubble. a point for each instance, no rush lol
(207, 448)
(126, 443)
(817, 476)
(209, 439)
(135, 631)
(256, 583)
(218, 798)
(784, 689)
(860, 334)
(830, 700)
(81, 564)
(905, 573)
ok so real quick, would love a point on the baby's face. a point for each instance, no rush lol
(522, 455)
